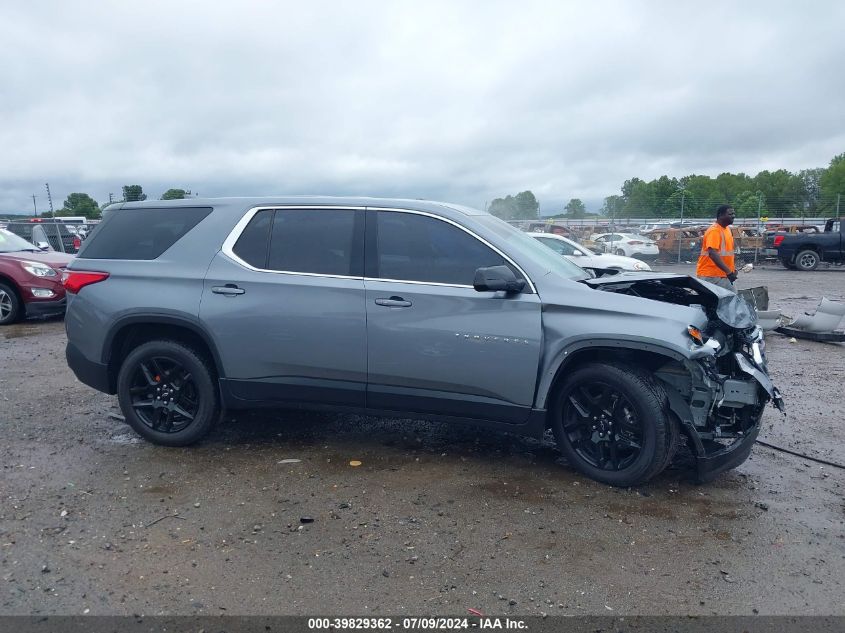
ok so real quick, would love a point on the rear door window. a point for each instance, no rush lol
(317, 241)
(141, 233)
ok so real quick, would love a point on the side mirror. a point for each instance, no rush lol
(44, 246)
(577, 253)
(496, 278)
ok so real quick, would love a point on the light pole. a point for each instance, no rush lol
(681, 228)
(759, 209)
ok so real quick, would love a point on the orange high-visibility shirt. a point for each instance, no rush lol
(722, 240)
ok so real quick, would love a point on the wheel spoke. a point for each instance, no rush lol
(627, 443)
(614, 456)
(168, 421)
(148, 375)
(143, 404)
(181, 411)
(157, 368)
(156, 418)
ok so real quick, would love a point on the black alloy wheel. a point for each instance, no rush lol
(167, 393)
(164, 395)
(612, 423)
(603, 426)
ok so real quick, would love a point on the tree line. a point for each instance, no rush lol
(781, 193)
(809, 192)
(82, 204)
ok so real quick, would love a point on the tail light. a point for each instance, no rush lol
(76, 280)
(634, 242)
(778, 240)
(77, 243)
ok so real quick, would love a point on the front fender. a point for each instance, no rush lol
(556, 362)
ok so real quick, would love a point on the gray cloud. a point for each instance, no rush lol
(459, 101)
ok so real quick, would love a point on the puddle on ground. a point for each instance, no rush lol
(18, 331)
(125, 438)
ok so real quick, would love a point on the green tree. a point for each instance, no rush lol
(613, 206)
(747, 203)
(832, 184)
(575, 208)
(522, 206)
(527, 206)
(80, 204)
(174, 194)
(812, 188)
(133, 193)
(504, 208)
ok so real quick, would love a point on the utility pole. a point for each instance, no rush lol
(681, 228)
(34, 208)
(49, 197)
(759, 209)
(838, 198)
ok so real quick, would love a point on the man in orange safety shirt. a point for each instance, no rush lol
(716, 262)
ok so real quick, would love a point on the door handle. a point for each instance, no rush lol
(394, 302)
(230, 290)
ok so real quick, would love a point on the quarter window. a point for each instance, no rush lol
(254, 243)
(413, 247)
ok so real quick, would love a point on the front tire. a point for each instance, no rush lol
(167, 393)
(807, 260)
(611, 423)
(620, 252)
(10, 305)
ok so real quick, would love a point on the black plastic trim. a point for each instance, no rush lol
(240, 394)
(89, 372)
(408, 400)
(41, 308)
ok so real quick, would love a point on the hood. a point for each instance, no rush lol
(51, 258)
(721, 304)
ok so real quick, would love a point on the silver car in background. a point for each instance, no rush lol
(585, 258)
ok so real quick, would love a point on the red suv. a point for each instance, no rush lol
(30, 279)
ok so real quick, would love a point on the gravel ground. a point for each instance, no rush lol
(435, 520)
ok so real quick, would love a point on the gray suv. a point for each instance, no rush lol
(403, 307)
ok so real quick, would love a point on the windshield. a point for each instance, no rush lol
(9, 243)
(530, 247)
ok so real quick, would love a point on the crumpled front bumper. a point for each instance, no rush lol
(714, 458)
(711, 464)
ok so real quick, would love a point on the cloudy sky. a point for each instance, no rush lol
(462, 100)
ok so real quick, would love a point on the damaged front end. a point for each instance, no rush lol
(720, 391)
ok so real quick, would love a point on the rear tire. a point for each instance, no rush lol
(10, 305)
(167, 393)
(620, 252)
(611, 422)
(807, 260)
